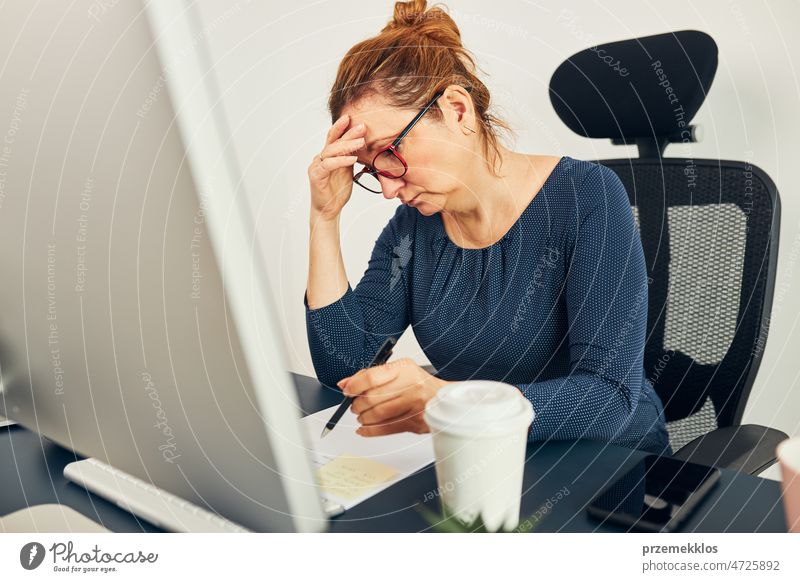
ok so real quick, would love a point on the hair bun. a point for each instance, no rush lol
(408, 14)
(415, 18)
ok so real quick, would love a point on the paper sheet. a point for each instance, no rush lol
(349, 476)
(49, 518)
(356, 467)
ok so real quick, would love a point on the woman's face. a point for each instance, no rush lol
(438, 153)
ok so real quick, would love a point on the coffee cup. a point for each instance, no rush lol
(480, 431)
(788, 453)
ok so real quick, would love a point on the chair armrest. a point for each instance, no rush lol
(748, 448)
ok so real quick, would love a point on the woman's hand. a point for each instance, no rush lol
(391, 398)
(331, 177)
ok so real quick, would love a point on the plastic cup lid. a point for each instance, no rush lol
(478, 407)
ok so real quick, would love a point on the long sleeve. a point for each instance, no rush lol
(345, 335)
(606, 305)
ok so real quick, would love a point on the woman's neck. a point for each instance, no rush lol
(480, 215)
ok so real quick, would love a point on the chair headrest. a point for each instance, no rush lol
(643, 87)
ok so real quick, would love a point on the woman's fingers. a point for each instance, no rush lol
(326, 166)
(354, 132)
(387, 409)
(342, 147)
(377, 395)
(402, 423)
(337, 129)
(371, 377)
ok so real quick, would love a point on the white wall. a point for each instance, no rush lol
(276, 64)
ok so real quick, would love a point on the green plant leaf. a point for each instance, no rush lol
(452, 524)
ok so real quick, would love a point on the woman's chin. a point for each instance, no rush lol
(424, 206)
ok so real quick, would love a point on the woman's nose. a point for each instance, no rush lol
(390, 186)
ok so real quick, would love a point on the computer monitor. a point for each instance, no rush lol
(136, 323)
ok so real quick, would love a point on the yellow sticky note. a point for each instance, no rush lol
(348, 476)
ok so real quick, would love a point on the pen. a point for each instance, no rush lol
(380, 358)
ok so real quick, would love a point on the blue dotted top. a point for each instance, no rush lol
(557, 307)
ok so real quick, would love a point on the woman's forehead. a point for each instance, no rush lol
(380, 118)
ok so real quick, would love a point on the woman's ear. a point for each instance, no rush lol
(458, 109)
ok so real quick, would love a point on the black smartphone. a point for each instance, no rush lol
(656, 495)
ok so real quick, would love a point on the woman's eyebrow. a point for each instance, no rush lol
(368, 147)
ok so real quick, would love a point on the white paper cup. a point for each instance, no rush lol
(788, 453)
(480, 430)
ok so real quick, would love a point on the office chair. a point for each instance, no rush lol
(709, 229)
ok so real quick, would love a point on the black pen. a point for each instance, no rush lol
(380, 358)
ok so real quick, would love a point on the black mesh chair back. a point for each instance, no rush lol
(710, 245)
(709, 228)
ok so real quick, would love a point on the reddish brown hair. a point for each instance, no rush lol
(418, 53)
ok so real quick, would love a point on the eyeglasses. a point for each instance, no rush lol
(388, 162)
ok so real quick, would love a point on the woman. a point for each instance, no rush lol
(527, 269)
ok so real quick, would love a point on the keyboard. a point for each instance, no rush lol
(153, 504)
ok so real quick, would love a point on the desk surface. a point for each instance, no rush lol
(566, 473)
